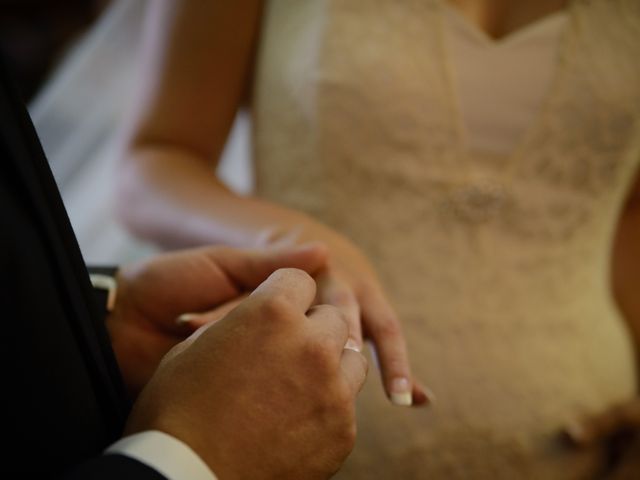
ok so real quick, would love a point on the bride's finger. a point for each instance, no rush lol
(382, 326)
(332, 290)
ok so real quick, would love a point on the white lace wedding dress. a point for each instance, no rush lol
(497, 264)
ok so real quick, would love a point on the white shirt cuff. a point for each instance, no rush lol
(165, 454)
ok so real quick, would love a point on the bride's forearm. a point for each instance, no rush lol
(173, 198)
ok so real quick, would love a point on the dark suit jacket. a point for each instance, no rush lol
(62, 396)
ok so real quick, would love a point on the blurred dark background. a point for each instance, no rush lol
(34, 33)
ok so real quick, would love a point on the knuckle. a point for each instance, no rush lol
(321, 355)
(344, 439)
(338, 400)
(343, 402)
(343, 411)
(341, 296)
(275, 307)
(396, 366)
(293, 274)
(389, 327)
(348, 437)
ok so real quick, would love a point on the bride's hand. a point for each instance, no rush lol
(350, 283)
(620, 423)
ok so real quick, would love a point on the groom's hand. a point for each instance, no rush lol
(267, 392)
(153, 294)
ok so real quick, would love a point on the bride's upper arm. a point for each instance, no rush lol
(195, 59)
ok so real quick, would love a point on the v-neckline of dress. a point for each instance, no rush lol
(510, 38)
(564, 50)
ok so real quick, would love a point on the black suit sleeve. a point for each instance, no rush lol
(63, 400)
(109, 467)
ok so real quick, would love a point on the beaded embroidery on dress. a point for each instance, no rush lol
(501, 283)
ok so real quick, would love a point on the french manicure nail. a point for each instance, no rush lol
(401, 392)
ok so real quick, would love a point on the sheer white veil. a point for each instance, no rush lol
(78, 114)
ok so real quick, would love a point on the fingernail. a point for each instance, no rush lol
(352, 345)
(401, 392)
(186, 318)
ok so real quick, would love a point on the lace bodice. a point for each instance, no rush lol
(498, 265)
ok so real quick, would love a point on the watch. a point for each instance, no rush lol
(105, 285)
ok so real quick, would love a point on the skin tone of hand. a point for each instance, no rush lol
(152, 295)
(267, 392)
